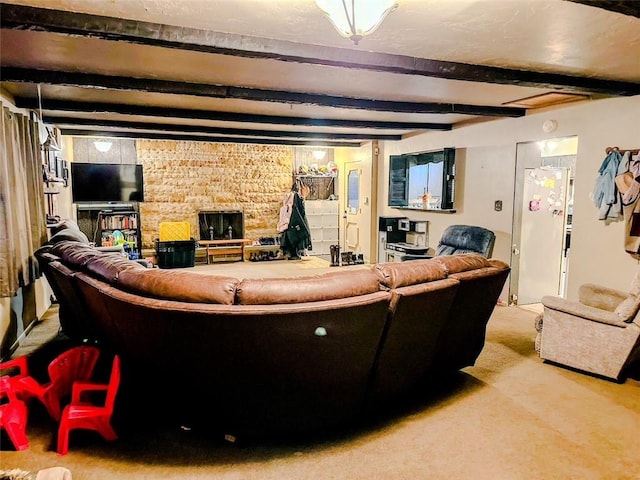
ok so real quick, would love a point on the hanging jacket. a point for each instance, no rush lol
(605, 193)
(285, 212)
(631, 206)
(631, 195)
(297, 236)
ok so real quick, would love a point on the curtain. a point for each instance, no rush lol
(22, 215)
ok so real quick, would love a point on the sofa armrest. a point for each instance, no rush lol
(600, 297)
(581, 310)
(79, 388)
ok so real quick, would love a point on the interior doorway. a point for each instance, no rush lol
(543, 211)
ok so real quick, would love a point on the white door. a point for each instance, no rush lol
(540, 250)
(352, 219)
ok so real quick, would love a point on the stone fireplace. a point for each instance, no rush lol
(220, 224)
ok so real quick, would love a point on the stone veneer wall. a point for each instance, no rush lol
(181, 178)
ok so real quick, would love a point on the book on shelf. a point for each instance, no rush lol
(119, 222)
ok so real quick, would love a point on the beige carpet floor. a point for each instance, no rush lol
(311, 265)
(510, 416)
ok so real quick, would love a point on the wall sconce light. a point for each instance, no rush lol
(51, 143)
(356, 18)
(102, 145)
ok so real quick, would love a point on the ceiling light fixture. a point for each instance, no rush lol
(102, 145)
(319, 154)
(356, 18)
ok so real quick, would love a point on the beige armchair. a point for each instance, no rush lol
(599, 334)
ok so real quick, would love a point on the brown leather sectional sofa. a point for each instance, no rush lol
(274, 355)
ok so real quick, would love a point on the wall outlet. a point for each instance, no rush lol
(497, 205)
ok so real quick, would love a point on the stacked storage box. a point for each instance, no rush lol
(322, 216)
(175, 248)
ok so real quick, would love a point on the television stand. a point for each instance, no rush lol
(224, 248)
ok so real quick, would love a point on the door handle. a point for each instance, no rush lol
(516, 251)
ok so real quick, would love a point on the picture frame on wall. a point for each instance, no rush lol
(59, 167)
(65, 173)
(50, 165)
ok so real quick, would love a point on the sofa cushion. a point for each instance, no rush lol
(74, 254)
(316, 288)
(628, 308)
(108, 266)
(463, 262)
(402, 274)
(179, 286)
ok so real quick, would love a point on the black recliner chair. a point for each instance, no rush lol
(466, 239)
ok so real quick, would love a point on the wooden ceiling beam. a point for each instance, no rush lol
(21, 17)
(125, 109)
(70, 122)
(204, 138)
(88, 80)
(625, 7)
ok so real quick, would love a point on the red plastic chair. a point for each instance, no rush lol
(19, 363)
(83, 415)
(13, 415)
(76, 364)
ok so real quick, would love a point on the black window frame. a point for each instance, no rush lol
(399, 176)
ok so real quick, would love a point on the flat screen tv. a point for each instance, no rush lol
(106, 182)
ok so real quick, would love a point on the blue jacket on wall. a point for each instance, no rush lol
(605, 193)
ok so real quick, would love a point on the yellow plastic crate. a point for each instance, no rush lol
(171, 231)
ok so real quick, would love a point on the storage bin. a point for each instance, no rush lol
(175, 231)
(176, 254)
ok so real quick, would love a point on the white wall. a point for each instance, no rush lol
(64, 200)
(487, 170)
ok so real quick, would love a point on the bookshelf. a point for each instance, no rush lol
(100, 221)
(127, 223)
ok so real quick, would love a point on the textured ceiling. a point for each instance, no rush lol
(282, 58)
